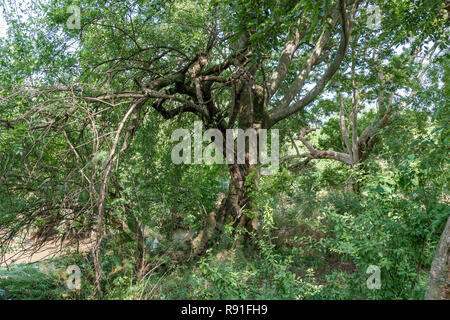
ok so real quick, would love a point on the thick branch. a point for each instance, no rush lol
(284, 110)
(323, 154)
(287, 54)
(299, 82)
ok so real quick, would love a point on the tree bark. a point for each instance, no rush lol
(439, 285)
(250, 103)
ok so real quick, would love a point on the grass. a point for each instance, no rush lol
(31, 282)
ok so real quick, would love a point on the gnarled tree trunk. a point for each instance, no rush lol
(250, 102)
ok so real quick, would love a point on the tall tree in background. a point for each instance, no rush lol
(375, 95)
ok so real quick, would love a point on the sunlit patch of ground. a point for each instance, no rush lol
(27, 252)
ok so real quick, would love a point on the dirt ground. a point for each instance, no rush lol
(27, 254)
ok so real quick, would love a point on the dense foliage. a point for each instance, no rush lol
(358, 90)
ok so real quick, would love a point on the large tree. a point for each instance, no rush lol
(85, 91)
